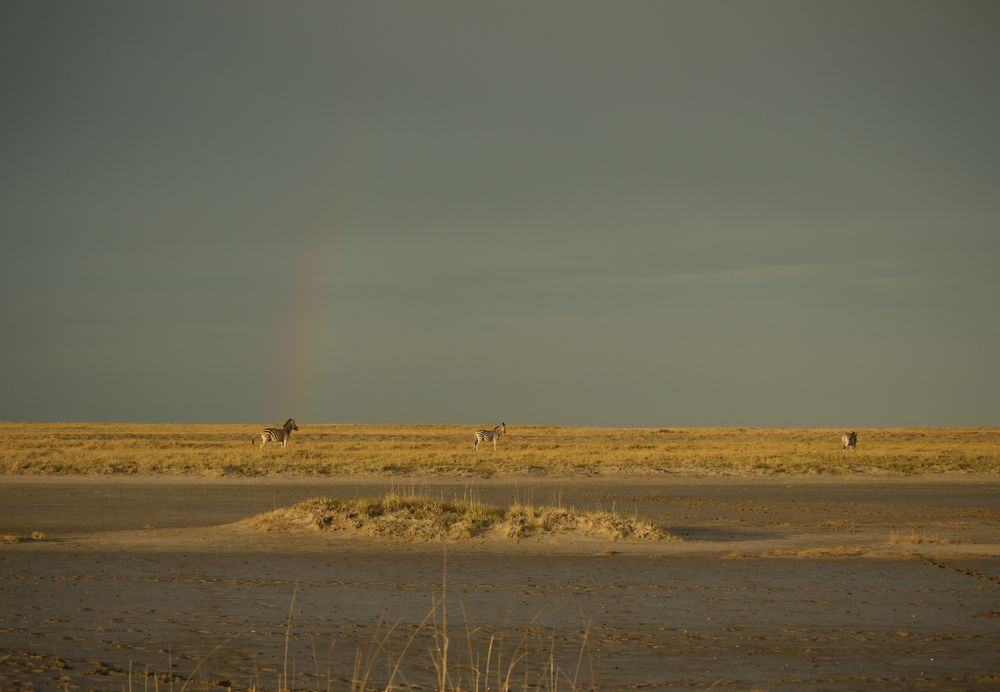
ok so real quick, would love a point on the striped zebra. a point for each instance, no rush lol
(850, 441)
(490, 436)
(282, 434)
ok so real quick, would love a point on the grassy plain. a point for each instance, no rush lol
(447, 450)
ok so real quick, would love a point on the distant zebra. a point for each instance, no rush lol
(490, 436)
(282, 434)
(850, 441)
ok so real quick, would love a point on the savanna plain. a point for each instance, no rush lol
(171, 557)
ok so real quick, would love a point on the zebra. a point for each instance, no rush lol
(850, 441)
(490, 436)
(282, 434)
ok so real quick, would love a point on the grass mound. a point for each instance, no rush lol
(411, 517)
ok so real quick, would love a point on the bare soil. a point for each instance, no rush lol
(780, 583)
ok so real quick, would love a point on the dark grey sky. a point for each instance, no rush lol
(638, 213)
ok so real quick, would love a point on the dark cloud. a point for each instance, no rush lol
(654, 214)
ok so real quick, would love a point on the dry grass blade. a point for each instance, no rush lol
(406, 647)
(579, 660)
(200, 663)
(288, 631)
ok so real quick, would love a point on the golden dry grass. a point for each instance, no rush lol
(914, 538)
(411, 517)
(19, 538)
(386, 450)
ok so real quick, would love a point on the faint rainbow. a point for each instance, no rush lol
(308, 343)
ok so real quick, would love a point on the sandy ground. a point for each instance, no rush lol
(780, 583)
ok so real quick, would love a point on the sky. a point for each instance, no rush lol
(646, 214)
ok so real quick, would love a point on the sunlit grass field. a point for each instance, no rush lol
(447, 450)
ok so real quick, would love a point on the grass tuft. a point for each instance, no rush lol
(913, 538)
(20, 538)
